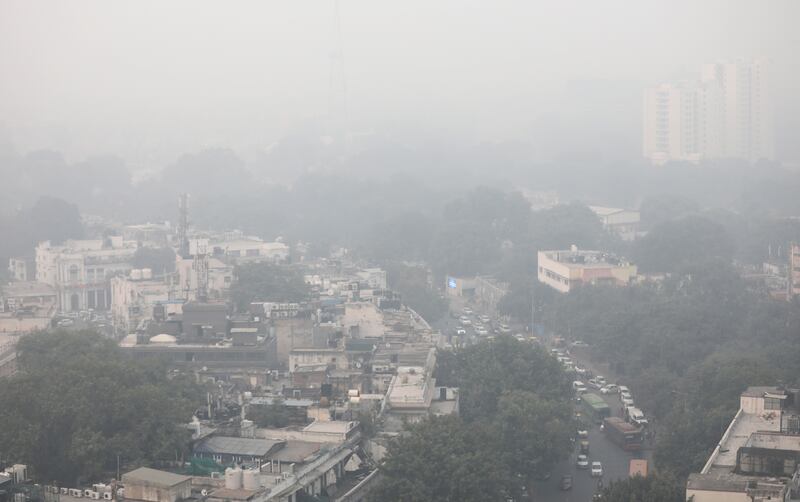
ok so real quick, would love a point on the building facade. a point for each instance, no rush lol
(81, 270)
(727, 113)
(564, 270)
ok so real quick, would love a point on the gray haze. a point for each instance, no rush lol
(149, 80)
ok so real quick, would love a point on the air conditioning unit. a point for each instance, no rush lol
(107, 496)
(286, 475)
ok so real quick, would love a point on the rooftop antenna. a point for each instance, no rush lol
(183, 225)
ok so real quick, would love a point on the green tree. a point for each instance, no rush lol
(77, 403)
(412, 284)
(653, 488)
(160, 260)
(266, 282)
(442, 459)
(275, 414)
(671, 245)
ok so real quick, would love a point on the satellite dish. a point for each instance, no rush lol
(204, 492)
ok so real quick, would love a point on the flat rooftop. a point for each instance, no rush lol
(585, 258)
(744, 425)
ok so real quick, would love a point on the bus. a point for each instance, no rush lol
(627, 436)
(596, 408)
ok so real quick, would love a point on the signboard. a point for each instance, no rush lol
(452, 283)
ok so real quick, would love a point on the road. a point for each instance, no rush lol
(615, 460)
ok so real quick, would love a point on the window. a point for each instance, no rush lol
(73, 273)
(771, 403)
(252, 252)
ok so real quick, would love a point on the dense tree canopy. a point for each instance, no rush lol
(442, 459)
(515, 402)
(160, 260)
(77, 403)
(412, 284)
(653, 488)
(264, 282)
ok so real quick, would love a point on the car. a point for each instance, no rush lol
(566, 482)
(504, 328)
(627, 401)
(466, 322)
(584, 446)
(580, 370)
(461, 332)
(609, 389)
(468, 311)
(481, 331)
(582, 462)
(579, 343)
(624, 390)
(593, 383)
(600, 379)
(597, 470)
(583, 433)
(485, 318)
(63, 323)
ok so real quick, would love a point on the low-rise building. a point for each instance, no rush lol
(622, 222)
(134, 296)
(151, 485)
(565, 269)
(758, 456)
(36, 299)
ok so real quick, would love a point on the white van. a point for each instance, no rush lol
(579, 387)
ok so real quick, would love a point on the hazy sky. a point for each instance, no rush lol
(149, 78)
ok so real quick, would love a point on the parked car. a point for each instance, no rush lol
(481, 331)
(626, 401)
(566, 482)
(580, 370)
(466, 322)
(461, 331)
(624, 390)
(597, 469)
(584, 446)
(579, 343)
(583, 433)
(600, 379)
(485, 318)
(504, 328)
(63, 323)
(582, 462)
(594, 384)
(468, 311)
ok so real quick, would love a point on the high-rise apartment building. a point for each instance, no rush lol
(725, 114)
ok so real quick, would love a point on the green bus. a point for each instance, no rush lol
(595, 407)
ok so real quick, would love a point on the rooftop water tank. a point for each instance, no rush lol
(252, 479)
(147, 274)
(233, 478)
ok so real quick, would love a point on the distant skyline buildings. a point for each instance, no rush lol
(725, 114)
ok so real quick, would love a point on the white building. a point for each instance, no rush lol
(220, 277)
(564, 269)
(758, 456)
(134, 296)
(622, 222)
(251, 249)
(80, 270)
(727, 113)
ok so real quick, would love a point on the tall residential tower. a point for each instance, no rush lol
(725, 114)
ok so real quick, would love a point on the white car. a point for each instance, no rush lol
(466, 322)
(481, 331)
(580, 370)
(485, 318)
(582, 462)
(65, 322)
(467, 310)
(627, 401)
(579, 343)
(597, 470)
(624, 390)
(600, 379)
(461, 331)
(609, 389)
